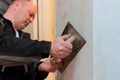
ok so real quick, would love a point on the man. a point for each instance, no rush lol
(15, 44)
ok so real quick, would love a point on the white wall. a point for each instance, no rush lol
(99, 23)
(106, 30)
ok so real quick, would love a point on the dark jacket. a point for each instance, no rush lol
(16, 52)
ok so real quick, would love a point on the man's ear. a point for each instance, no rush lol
(17, 5)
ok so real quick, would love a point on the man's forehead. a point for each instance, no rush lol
(31, 6)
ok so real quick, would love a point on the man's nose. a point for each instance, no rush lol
(31, 19)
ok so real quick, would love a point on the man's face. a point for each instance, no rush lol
(26, 15)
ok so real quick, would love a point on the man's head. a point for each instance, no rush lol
(21, 13)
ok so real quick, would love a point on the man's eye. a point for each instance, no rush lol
(30, 14)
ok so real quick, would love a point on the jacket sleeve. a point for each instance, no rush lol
(39, 75)
(11, 45)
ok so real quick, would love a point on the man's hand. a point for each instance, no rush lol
(48, 66)
(61, 48)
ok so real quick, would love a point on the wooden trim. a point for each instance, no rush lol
(44, 24)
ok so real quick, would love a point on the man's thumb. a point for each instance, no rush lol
(66, 36)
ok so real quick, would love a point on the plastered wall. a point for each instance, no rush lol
(99, 23)
(79, 14)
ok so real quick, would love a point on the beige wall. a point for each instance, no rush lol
(79, 14)
(43, 25)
